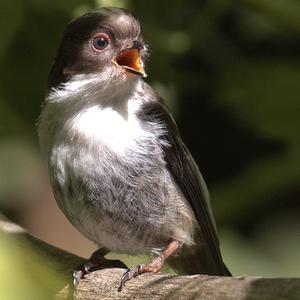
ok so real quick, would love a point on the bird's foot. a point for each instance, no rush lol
(152, 267)
(96, 262)
(81, 271)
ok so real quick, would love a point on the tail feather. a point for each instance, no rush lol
(197, 260)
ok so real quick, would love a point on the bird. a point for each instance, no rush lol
(118, 167)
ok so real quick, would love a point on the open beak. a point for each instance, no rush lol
(130, 60)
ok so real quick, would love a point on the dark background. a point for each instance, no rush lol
(230, 71)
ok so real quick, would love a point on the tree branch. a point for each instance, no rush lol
(103, 284)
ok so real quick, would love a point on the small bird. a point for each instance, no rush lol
(119, 169)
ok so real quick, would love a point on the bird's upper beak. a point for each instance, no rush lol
(130, 60)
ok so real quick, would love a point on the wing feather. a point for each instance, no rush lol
(189, 179)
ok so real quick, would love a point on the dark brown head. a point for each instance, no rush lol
(108, 38)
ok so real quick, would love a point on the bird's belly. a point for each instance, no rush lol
(124, 206)
(118, 191)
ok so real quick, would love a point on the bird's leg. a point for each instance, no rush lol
(94, 263)
(153, 266)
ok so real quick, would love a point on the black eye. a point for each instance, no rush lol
(101, 42)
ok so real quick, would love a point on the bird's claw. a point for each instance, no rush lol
(80, 272)
(129, 274)
(77, 275)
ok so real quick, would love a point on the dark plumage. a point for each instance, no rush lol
(72, 58)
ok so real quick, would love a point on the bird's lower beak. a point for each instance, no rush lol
(130, 60)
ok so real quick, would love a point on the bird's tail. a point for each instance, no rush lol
(197, 259)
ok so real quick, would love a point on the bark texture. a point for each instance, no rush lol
(104, 285)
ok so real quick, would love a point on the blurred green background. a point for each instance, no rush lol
(230, 71)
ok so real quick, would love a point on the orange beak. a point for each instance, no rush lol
(130, 60)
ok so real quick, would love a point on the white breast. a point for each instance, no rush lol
(116, 130)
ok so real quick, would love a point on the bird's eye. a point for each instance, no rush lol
(101, 42)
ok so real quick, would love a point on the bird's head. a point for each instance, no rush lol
(106, 41)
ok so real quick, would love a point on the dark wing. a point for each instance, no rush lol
(188, 178)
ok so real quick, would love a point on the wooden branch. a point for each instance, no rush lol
(103, 284)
